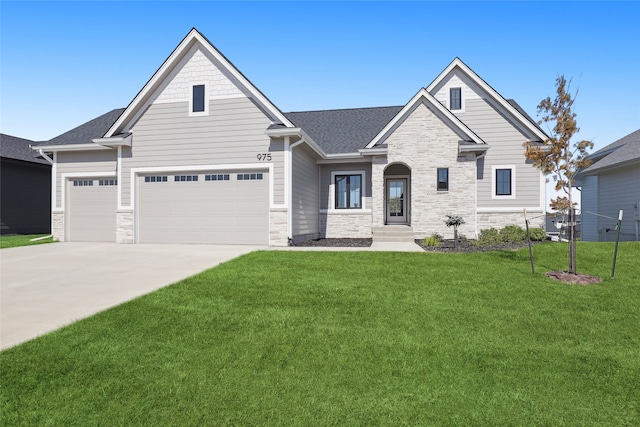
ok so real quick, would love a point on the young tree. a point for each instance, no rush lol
(559, 157)
(454, 221)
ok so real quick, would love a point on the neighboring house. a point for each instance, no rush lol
(557, 227)
(202, 156)
(25, 188)
(611, 184)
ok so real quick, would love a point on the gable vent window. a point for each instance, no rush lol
(83, 183)
(220, 177)
(443, 179)
(455, 98)
(104, 182)
(183, 178)
(155, 178)
(198, 99)
(249, 176)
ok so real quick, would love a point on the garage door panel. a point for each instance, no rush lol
(91, 211)
(204, 211)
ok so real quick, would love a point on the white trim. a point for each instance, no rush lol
(211, 98)
(511, 196)
(73, 147)
(332, 191)
(338, 161)
(191, 39)
(119, 177)
(288, 170)
(201, 168)
(64, 177)
(543, 191)
(431, 100)
(345, 211)
(457, 62)
(54, 185)
(206, 99)
(516, 209)
(407, 199)
(114, 141)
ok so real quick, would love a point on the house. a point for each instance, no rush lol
(201, 155)
(611, 184)
(25, 188)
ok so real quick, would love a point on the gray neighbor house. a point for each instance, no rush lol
(200, 155)
(610, 184)
(25, 188)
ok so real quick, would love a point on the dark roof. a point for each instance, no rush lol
(343, 131)
(623, 151)
(12, 147)
(84, 133)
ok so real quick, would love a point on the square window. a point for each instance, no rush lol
(503, 182)
(443, 179)
(455, 98)
(198, 99)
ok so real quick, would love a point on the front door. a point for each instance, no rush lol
(397, 201)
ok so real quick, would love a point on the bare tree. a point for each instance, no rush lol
(559, 157)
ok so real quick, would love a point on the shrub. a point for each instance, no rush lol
(430, 241)
(537, 234)
(438, 237)
(462, 238)
(488, 237)
(513, 234)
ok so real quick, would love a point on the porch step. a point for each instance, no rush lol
(393, 233)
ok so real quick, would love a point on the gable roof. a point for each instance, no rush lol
(12, 147)
(84, 133)
(516, 112)
(440, 109)
(343, 131)
(193, 38)
(619, 153)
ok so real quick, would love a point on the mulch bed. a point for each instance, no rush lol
(336, 243)
(465, 246)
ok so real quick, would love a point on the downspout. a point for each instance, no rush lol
(476, 195)
(290, 188)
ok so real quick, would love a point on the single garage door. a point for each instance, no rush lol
(204, 207)
(92, 205)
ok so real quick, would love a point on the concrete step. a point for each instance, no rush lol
(393, 233)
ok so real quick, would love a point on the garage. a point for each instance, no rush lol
(213, 207)
(92, 205)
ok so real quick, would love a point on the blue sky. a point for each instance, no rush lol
(64, 63)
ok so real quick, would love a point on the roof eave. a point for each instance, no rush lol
(71, 147)
(114, 141)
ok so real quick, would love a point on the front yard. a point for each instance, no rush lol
(350, 338)
(13, 241)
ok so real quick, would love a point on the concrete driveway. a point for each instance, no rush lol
(48, 286)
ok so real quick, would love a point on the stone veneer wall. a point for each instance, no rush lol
(502, 219)
(424, 143)
(57, 226)
(278, 231)
(124, 226)
(345, 225)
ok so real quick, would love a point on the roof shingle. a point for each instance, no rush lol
(12, 147)
(84, 133)
(623, 151)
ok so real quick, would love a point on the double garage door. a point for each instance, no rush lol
(204, 207)
(193, 207)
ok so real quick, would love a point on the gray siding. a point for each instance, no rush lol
(305, 197)
(589, 206)
(618, 189)
(232, 133)
(83, 162)
(506, 149)
(325, 181)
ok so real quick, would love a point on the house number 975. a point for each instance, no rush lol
(264, 157)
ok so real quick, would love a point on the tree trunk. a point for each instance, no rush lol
(572, 241)
(455, 236)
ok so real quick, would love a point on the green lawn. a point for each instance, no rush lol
(350, 338)
(22, 240)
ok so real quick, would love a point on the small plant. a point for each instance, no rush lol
(438, 237)
(488, 237)
(454, 221)
(462, 238)
(513, 234)
(537, 234)
(430, 241)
